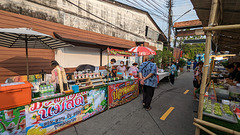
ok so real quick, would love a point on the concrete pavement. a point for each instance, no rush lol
(132, 119)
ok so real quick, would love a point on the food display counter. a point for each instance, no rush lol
(49, 111)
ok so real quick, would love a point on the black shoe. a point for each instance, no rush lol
(147, 109)
(143, 105)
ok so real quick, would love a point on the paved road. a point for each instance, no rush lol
(132, 119)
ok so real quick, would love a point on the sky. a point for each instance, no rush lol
(159, 11)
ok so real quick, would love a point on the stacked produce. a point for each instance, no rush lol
(227, 110)
(217, 109)
(208, 106)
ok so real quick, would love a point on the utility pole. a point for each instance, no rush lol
(169, 22)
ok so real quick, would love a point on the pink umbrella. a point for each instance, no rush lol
(142, 51)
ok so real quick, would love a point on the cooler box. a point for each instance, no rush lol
(15, 94)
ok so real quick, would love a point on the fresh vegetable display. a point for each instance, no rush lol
(227, 110)
(217, 109)
(208, 106)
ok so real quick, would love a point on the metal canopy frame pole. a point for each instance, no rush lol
(213, 14)
(26, 43)
(101, 52)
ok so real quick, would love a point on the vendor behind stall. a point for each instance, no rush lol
(109, 68)
(133, 69)
(58, 79)
(232, 73)
(121, 68)
(236, 80)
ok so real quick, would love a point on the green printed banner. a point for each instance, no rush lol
(53, 115)
(13, 122)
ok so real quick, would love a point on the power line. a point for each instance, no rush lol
(156, 7)
(182, 15)
(147, 9)
(158, 4)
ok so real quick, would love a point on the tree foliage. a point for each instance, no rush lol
(191, 50)
(162, 57)
(182, 62)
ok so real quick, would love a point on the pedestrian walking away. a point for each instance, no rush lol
(148, 78)
(194, 64)
(173, 69)
(197, 79)
(188, 65)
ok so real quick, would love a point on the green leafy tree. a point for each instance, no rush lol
(182, 62)
(162, 57)
(191, 50)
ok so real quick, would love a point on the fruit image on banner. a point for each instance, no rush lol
(13, 122)
(122, 93)
(50, 116)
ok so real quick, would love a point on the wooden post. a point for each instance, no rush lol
(222, 27)
(220, 128)
(204, 78)
(204, 129)
(206, 61)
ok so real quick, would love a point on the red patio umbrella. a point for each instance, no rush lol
(142, 51)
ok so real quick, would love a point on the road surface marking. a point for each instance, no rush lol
(167, 113)
(186, 91)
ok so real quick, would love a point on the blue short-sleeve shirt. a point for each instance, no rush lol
(147, 68)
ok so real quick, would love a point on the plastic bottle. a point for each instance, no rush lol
(45, 90)
(75, 74)
(41, 90)
(48, 90)
(206, 97)
(52, 89)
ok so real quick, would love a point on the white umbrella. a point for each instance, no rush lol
(28, 38)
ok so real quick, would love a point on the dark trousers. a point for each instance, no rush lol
(172, 78)
(148, 93)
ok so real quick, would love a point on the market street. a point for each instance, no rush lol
(169, 103)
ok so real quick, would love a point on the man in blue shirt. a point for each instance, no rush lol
(189, 65)
(173, 69)
(148, 78)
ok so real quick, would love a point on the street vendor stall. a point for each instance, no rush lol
(31, 105)
(48, 111)
(219, 101)
(125, 89)
(222, 33)
(35, 107)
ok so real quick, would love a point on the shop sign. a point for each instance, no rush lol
(13, 122)
(50, 116)
(122, 93)
(120, 52)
